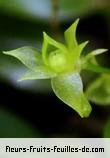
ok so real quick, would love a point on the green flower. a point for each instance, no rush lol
(62, 64)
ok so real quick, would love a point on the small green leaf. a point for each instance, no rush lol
(99, 90)
(40, 73)
(70, 35)
(29, 56)
(50, 45)
(96, 68)
(68, 87)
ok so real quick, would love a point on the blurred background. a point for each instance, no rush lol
(30, 108)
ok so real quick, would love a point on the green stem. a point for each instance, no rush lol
(54, 21)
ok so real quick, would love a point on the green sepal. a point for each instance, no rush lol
(29, 56)
(40, 73)
(77, 52)
(70, 36)
(68, 87)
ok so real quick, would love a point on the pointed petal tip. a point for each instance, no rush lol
(86, 113)
(8, 52)
(99, 51)
(86, 42)
(77, 20)
(45, 34)
(83, 45)
(104, 50)
(75, 23)
(4, 52)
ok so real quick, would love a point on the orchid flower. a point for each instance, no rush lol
(62, 64)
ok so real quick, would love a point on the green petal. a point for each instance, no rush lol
(89, 62)
(68, 87)
(29, 56)
(77, 51)
(94, 53)
(40, 73)
(50, 45)
(99, 90)
(70, 35)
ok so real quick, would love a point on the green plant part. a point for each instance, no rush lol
(99, 90)
(62, 63)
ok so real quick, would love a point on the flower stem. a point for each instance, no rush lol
(54, 21)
